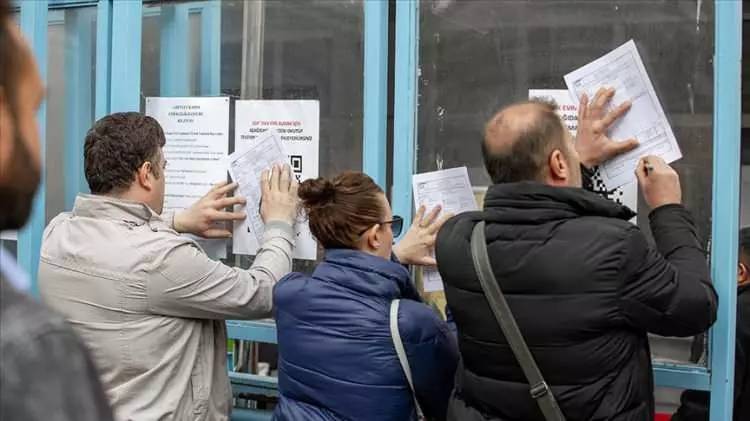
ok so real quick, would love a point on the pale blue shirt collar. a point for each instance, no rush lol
(12, 272)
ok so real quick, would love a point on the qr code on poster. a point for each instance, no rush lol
(296, 163)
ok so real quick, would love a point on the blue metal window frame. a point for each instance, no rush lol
(33, 24)
(374, 138)
(718, 378)
(79, 33)
(405, 106)
(726, 200)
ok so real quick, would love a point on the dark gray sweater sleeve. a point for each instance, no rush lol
(48, 375)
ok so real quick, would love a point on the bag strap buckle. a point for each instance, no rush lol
(539, 390)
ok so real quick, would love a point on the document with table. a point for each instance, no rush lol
(623, 70)
(450, 189)
(246, 166)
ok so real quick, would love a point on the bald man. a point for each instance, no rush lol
(584, 284)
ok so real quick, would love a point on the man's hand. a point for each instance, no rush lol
(201, 218)
(592, 143)
(418, 244)
(279, 201)
(660, 183)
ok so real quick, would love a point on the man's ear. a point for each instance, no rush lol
(559, 170)
(144, 175)
(743, 275)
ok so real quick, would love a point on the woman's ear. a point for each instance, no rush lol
(374, 237)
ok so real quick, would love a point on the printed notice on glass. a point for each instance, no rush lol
(450, 189)
(296, 124)
(197, 133)
(567, 109)
(623, 70)
(9, 235)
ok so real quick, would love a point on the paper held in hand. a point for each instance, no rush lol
(450, 189)
(623, 70)
(246, 166)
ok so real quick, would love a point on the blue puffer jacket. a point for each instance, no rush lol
(336, 357)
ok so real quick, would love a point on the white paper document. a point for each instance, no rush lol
(246, 167)
(197, 133)
(623, 70)
(450, 189)
(297, 127)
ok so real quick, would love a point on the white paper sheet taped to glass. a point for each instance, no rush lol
(197, 134)
(296, 123)
(623, 70)
(567, 109)
(450, 189)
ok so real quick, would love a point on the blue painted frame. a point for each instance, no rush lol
(79, 43)
(718, 378)
(726, 200)
(125, 87)
(405, 106)
(103, 58)
(174, 65)
(210, 83)
(34, 26)
(374, 138)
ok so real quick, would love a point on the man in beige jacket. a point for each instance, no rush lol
(147, 301)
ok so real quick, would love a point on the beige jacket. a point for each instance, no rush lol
(150, 304)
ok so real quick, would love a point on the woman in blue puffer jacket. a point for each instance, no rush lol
(337, 360)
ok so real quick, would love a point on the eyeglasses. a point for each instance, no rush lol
(397, 224)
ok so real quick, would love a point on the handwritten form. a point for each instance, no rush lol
(623, 70)
(246, 166)
(450, 189)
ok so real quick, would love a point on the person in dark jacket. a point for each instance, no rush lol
(694, 404)
(336, 357)
(584, 284)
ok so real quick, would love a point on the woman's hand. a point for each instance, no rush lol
(418, 244)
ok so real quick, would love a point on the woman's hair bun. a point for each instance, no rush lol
(316, 193)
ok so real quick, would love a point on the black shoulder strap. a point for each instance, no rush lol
(540, 391)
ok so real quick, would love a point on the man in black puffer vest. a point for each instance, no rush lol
(583, 283)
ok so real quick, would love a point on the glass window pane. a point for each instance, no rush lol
(478, 56)
(273, 50)
(70, 102)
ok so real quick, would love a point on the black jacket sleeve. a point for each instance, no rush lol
(669, 291)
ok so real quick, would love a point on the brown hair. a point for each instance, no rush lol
(341, 208)
(116, 146)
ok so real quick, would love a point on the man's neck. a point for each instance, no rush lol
(127, 195)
